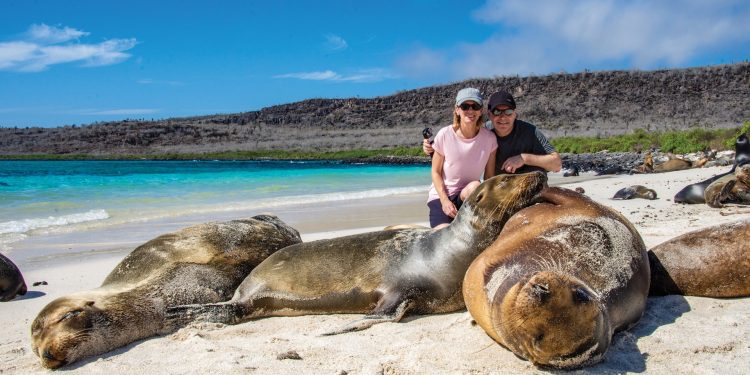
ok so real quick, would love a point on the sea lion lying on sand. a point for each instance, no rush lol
(694, 193)
(562, 277)
(635, 191)
(385, 274)
(199, 264)
(11, 280)
(730, 188)
(710, 262)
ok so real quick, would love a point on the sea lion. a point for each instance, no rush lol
(694, 193)
(710, 262)
(647, 166)
(672, 165)
(635, 191)
(562, 277)
(11, 280)
(730, 188)
(384, 274)
(198, 264)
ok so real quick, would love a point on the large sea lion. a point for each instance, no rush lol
(711, 262)
(199, 264)
(635, 191)
(694, 193)
(384, 274)
(562, 277)
(11, 280)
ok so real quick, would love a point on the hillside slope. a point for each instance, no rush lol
(580, 104)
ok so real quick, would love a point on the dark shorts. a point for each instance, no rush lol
(437, 216)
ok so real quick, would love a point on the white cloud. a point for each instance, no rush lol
(544, 36)
(47, 46)
(362, 76)
(50, 34)
(335, 43)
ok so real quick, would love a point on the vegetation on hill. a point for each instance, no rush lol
(678, 142)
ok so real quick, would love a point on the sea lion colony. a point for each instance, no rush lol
(387, 304)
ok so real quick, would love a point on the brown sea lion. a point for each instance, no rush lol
(635, 191)
(694, 193)
(562, 277)
(671, 165)
(199, 264)
(384, 274)
(11, 280)
(730, 188)
(711, 262)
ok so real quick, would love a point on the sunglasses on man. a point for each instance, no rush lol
(498, 111)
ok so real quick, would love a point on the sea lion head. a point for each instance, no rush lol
(67, 329)
(553, 320)
(742, 173)
(497, 199)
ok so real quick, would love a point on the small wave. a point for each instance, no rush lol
(26, 225)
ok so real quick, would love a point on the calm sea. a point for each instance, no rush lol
(43, 196)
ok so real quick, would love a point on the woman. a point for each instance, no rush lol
(462, 153)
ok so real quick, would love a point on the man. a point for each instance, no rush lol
(521, 147)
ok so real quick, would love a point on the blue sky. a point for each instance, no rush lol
(77, 62)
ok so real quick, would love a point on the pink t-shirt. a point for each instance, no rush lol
(465, 159)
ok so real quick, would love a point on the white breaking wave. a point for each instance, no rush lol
(26, 225)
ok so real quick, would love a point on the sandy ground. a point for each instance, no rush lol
(684, 335)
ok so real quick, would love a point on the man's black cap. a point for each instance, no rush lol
(500, 98)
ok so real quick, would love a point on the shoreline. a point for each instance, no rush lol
(676, 334)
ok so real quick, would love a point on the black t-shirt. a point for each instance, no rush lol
(524, 139)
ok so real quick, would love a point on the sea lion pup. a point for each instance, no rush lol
(199, 264)
(710, 262)
(635, 191)
(11, 280)
(562, 277)
(384, 274)
(694, 193)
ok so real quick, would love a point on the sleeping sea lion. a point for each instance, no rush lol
(11, 280)
(635, 191)
(199, 264)
(710, 262)
(562, 277)
(384, 274)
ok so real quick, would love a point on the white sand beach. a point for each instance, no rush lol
(677, 335)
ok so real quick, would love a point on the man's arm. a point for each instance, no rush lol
(550, 162)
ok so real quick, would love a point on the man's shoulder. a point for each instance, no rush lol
(524, 124)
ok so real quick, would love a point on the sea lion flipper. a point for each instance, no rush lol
(372, 319)
(180, 316)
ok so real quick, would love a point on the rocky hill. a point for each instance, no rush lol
(580, 104)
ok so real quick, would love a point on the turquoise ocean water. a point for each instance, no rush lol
(44, 196)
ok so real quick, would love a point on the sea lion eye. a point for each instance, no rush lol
(480, 196)
(541, 292)
(71, 314)
(581, 295)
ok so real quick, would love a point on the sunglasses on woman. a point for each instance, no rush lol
(474, 106)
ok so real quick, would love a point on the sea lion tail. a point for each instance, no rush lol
(182, 315)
